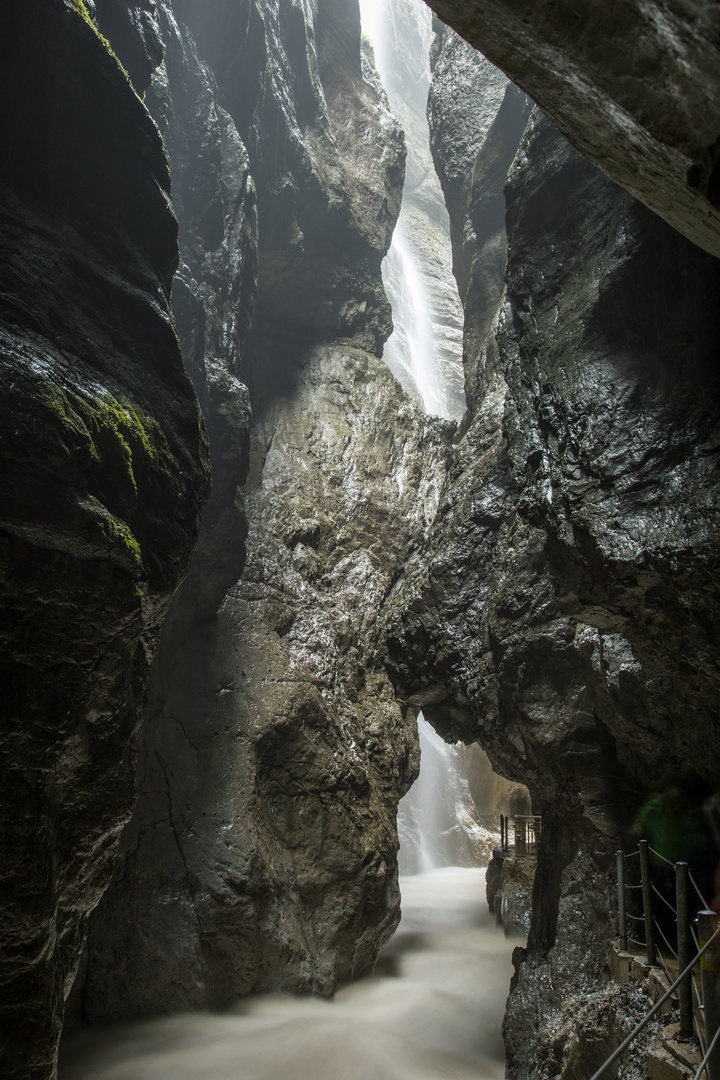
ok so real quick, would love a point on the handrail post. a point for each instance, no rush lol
(709, 967)
(622, 913)
(683, 948)
(502, 832)
(647, 903)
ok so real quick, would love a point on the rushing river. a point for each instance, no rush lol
(432, 1011)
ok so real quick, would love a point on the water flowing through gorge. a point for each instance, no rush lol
(433, 1009)
(435, 1003)
(436, 818)
(240, 548)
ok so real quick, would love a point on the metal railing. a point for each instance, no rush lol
(527, 829)
(655, 1009)
(690, 1000)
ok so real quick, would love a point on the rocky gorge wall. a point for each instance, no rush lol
(563, 606)
(104, 477)
(547, 586)
(634, 87)
(262, 854)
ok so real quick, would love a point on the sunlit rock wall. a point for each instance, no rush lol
(103, 479)
(263, 851)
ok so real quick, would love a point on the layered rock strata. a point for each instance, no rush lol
(561, 610)
(104, 477)
(635, 87)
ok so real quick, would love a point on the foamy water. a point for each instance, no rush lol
(432, 1011)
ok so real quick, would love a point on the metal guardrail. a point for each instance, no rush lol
(527, 829)
(655, 1009)
(685, 984)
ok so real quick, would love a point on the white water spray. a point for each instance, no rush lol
(411, 347)
(433, 1009)
(437, 818)
(425, 350)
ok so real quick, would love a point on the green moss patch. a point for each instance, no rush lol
(96, 423)
(80, 7)
(117, 532)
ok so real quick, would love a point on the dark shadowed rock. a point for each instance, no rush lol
(328, 161)
(476, 121)
(563, 614)
(634, 86)
(104, 476)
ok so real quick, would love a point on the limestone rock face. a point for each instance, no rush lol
(466, 93)
(476, 121)
(563, 616)
(103, 480)
(267, 837)
(508, 888)
(635, 88)
(328, 161)
(262, 854)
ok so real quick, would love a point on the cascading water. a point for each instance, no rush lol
(436, 819)
(411, 348)
(425, 350)
(433, 1009)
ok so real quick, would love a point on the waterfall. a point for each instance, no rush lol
(436, 819)
(411, 346)
(437, 823)
(425, 350)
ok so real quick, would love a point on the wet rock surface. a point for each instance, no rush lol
(104, 477)
(476, 121)
(563, 610)
(634, 88)
(548, 586)
(262, 854)
(581, 1039)
(508, 889)
(270, 862)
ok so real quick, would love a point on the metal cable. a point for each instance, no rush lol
(636, 942)
(698, 995)
(633, 854)
(697, 1007)
(698, 1036)
(659, 927)
(664, 899)
(660, 856)
(708, 1052)
(656, 1008)
(663, 964)
(697, 890)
